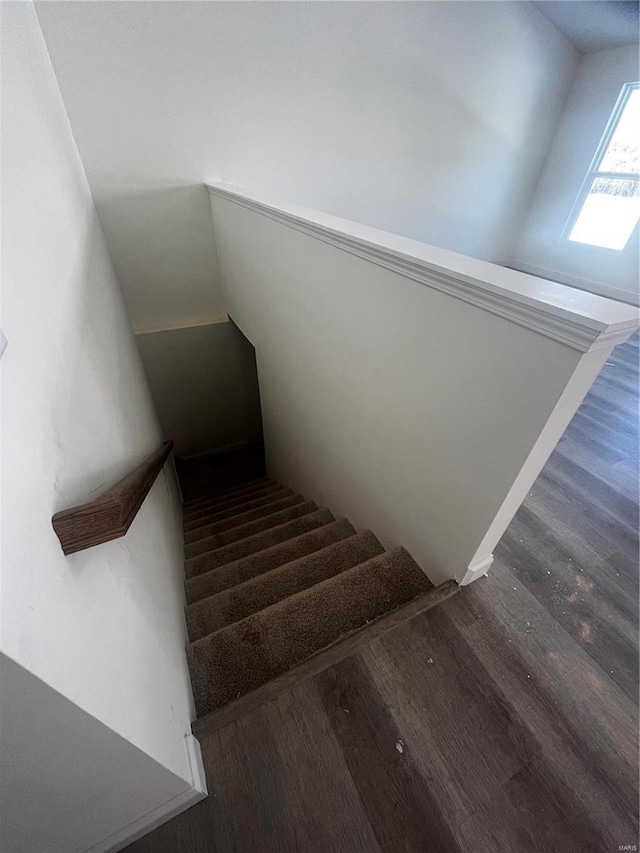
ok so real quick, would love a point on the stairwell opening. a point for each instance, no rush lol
(243, 460)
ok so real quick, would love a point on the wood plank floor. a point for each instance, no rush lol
(503, 720)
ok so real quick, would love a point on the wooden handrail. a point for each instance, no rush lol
(109, 516)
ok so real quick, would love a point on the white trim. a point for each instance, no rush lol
(3, 343)
(181, 324)
(121, 838)
(573, 281)
(477, 569)
(583, 321)
(196, 766)
(194, 793)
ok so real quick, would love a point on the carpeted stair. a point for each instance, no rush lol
(275, 584)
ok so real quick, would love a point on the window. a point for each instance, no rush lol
(608, 207)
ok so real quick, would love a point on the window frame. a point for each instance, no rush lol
(593, 172)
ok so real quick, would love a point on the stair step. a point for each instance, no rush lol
(264, 539)
(224, 494)
(217, 492)
(242, 518)
(239, 500)
(228, 497)
(244, 531)
(240, 601)
(214, 516)
(351, 644)
(211, 582)
(243, 656)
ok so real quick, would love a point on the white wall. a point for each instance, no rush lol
(411, 412)
(67, 780)
(103, 627)
(204, 383)
(541, 247)
(426, 119)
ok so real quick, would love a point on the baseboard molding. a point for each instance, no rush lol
(196, 766)
(476, 569)
(192, 794)
(130, 833)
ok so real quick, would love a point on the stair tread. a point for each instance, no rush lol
(231, 605)
(241, 518)
(226, 494)
(350, 644)
(212, 507)
(218, 506)
(238, 491)
(249, 529)
(244, 655)
(213, 516)
(232, 552)
(239, 487)
(216, 580)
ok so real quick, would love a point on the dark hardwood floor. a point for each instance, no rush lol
(503, 720)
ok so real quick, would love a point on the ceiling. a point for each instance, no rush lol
(592, 25)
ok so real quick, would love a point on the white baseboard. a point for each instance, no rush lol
(164, 812)
(192, 794)
(477, 569)
(196, 767)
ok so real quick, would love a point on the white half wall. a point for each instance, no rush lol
(406, 387)
(66, 780)
(204, 383)
(541, 247)
(104, 627)
(426, 119)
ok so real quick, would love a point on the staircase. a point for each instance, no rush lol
(277, 589)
